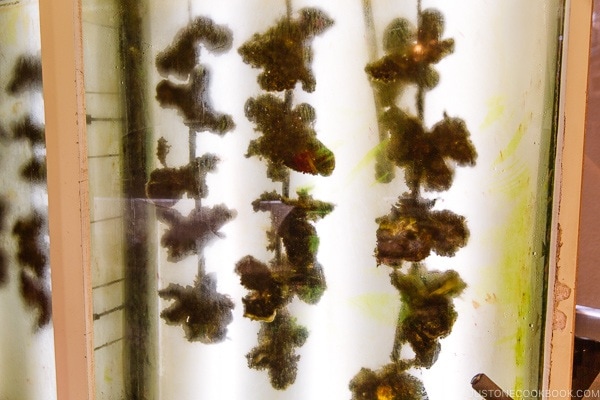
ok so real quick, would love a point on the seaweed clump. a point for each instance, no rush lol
(182, 55)
(428, 310)
(428, 157)
(203, 312)
(34, 171)
(32, 255)
(199, 309)
(266, 296)
(284, 52)
(190, 234)
(410, 52)
(391, 382)
(27, 129)
(27, 75)
(276, 349)
(413, 229)
(168, 185)
(287, 142)
(192, 103)
(30, 231)
(292, 223)
(288, 139)
(295, 272)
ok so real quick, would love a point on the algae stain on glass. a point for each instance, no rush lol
(517, 259)
(496, 109)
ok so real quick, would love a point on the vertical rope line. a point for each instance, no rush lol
(289, 98)
(420, 91)
(384, 168)
(285, 184)
(192, 149)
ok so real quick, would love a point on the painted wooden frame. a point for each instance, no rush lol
(62, 56)
(560, 320)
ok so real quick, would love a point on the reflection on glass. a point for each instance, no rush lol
(27, 347)
(297, 200)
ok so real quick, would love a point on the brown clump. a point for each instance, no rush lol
(167, 185)
(193, 104)
(288, 139)
(189, 235)
(412, 230)
(410, 52)
(27, 75)
(183, 54)
(284, 53)
(428, 156)
(390, 382)
(202, 312)
(428, 309)
(32, 255)
(276, 350)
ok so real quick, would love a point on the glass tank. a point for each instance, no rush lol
(27, 346)
(343, 199)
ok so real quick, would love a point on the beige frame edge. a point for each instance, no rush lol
(69, 216)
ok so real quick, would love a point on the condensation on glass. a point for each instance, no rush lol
(296, 200)
(27, 368)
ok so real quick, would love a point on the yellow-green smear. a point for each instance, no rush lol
(516, 269)
(519, 386)
(496, 108)
(108, 375)
(512, 146)
(305, 189)
(381, 307)
(8, 21)
(370, 157)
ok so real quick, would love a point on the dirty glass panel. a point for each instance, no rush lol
(300, 200)
(110, 243)
(26, 338)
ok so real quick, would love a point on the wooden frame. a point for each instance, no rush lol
(68, 212)
(68, 197)
(560, 325)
